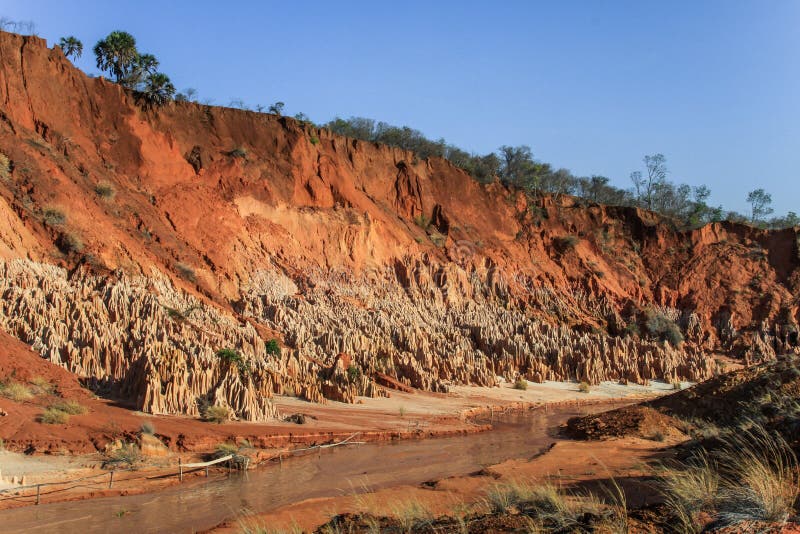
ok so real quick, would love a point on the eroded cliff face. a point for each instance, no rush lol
(137, 244)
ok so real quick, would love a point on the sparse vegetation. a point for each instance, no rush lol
(277, 108)
(664, 328)
(216, 414)
(584, 387)
(186, 272)
(422, 221)
(272, 347)
(126, 453)
(752, 477)
(69, 242)
(53, 216)
(631, 329)
(105, 190)
(521, 384)
(568, 242)
(225, 449)
(69, 407)
(238, 152)
(229, 355)
(148, 428)
(5, 167)
(15, 391)
(52, 416)
(353, 373)
(438, 239)
(41, 386)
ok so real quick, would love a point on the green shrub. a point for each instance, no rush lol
(521, 384)
(148, 428)
(216, 414)
(584, 387)
(353, 373)
(662, 327)
(314, 140)
(105, 190)
(52, 416)
(229, 355)
(54, 216)
(272, 347)
(69, 407)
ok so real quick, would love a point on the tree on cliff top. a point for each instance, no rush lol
(117, 55)
(760, 202)
(71, 46)
(157, 90)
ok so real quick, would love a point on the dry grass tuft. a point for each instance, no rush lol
(5, 167)
(127, 453)
(52, 416)
(412, 515)
(15, 391)
(216, 414)
(753, 477)
(69, 407)
(41, 386)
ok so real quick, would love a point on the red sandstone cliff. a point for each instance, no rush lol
(217, 227)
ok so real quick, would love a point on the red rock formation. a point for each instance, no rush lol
(410, 267)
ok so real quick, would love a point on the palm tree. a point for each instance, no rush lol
(157, 90)
(71, 46)
(117, 55)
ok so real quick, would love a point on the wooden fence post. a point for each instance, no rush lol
(111, 480)
(206, 471)
(38, 492)
(180, 470)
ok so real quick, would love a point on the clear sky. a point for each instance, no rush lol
(590, 85)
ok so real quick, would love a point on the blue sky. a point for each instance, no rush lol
(592, 86)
